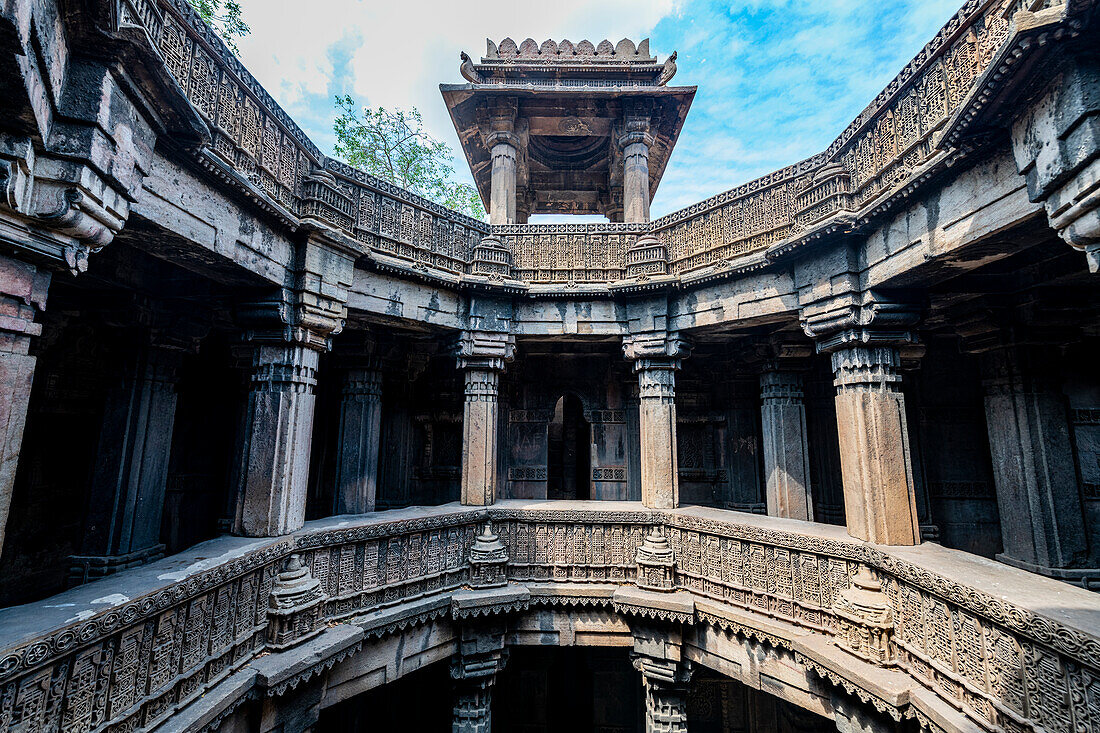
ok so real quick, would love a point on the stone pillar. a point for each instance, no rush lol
(665, 677)
(359, 441)
(503, 145)
(481, 656)
(656, 359)
(23, 291)
(482, 357)
(502, 203)
(785, 445)
(875, 462)
(278, 433)
(635, 142)
(126, 500)
(1042, 520)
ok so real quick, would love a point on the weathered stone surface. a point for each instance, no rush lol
(127, 492)
(879, 503)
(1042, 521)
(656, 358)
(922, 215)
(23, 291)
(360, 441)
(278, 430)
(482, 357)
(786, 446)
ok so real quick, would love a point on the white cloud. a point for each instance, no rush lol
(397, 52)
(778, 79)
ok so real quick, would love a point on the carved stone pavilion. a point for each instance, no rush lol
(293, 449)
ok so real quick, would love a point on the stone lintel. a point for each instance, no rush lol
(510, 598)
(280, 671)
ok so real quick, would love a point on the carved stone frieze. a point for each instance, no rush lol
(390, 574)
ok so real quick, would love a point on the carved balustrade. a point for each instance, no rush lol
(891, 144)
(255, 144)
(887, 150)
(123, 662)
(569, 253)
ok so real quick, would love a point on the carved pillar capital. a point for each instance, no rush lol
(485, 350)
(867, 318)
(503, 143)
(859, 366)
(656, 350)
(636, 130)
(781, 387)
(281, 319)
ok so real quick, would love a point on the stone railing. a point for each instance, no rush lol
(569, 253)
(888, 148)
(254, 143)
(882, 149)
(1006, 649)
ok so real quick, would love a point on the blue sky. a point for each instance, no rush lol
(778, 79)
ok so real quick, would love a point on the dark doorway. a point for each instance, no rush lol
(569, 473)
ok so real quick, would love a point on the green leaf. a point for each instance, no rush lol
(225, 17)
(393, 145)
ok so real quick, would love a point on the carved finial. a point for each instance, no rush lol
(488, 559)
(668, 71)
(656, 561)
(467, 69)
(866, 620)
(295, 607)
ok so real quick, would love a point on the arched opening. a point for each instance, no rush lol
(569, 471)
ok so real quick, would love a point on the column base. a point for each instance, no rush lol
(86, 568)
(1088, 578)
